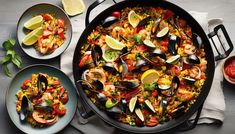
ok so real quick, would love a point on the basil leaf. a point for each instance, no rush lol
(7, 45)
(6, 70)
(12, 41)
(6, 59)
(16, 61)
(49, 102)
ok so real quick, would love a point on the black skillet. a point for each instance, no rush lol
(195, 27)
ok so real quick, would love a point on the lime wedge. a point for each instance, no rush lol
(34, 22)
(163, 32)
(173, 59)
(149, 43)
(150, 106)
(150, 76)
(109, 103)
(133, 18)
(32, 37)
(139, 114)
(113, 43)
(73, 7)
(132, 103)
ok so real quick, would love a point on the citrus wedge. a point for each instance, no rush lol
(150, 106)
(163, 32)
(34, 22)
(73, 7)
(139, 114)
(113, 43)
(132, 103)
(173, 59)
(109, 55)
(133, 18)
(150, 76)
(32, 37)
(149, 43)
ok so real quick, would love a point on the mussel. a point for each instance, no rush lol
(155, 26)
(158, 52)
(102, 98)
(169, 90)
(174, 42)
(114, 111)
(191, 59)
(189, 80)
(124, 105)
(180, 110)
(141, 65)
(197, 40)
(109, 67)
(94, 73)
(44, 105)
(26, 108)
(109, 21)
(144, 21)
(122, 67)
(42, 83)
(96, 54)
(94, 85)
(131, 84)
(163, 105)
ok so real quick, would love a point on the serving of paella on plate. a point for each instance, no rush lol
(143, 66)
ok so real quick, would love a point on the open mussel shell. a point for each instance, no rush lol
(197, 40)
(169, 90)
(174, 42)
(129, 84)
(158, 52)
(109, 67)
(96, 54)
(163, 105)
(102, 98)
(26, 108)
(180, 110)
(42, 83)
(94, 85)
(124, 105)
(141, 65)
(43, 105)
(109, 21)
(144, 21)
(155, 26)
(114, 111)
(189, 80)
(122, 67)
(193, 59)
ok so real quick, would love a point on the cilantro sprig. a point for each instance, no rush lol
(11, 56)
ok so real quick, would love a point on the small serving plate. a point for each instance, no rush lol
(43, 8)
(228, 61)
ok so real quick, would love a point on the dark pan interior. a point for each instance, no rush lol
(196, 28)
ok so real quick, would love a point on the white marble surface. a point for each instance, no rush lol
(10, 11)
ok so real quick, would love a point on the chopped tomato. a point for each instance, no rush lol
(56, 83)
(58, 110)
(168, 14)
(230, 71)
(116, 14)
(85, 59)
(137, 29)
(141, 100)
(138, 122)
(142, 48)
(165, 42)
(25, 84)
(46, 33)
(153, 121)
(185, 66)
(155, 93)
(61, 23)
(61, 32)
(145, 112)
(164, 49)
(47, 17)
(50, 89)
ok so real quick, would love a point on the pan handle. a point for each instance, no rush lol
(90, 8)
(226, 53)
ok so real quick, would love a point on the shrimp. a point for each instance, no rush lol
(38, 116)
(117, 31)
(195, 72)
(47, 96)
(189, 49)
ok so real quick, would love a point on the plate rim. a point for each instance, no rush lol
(29, 8)
(43, 65)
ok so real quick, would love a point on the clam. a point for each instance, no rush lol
(94, 73)
(197, 40)
(96, 54)
(174, 42)
(144, 21)
(109, 21)
(42, 83)
(131, 84)
(26, 108)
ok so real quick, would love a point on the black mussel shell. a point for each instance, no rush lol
(109, 21)
(163, 105)
(129, 84)
(44, 106)
(140, 65)
(114, 111)
(25, 108)
(96, 54)
(42, 80)
(158, 52)
(144, 22)
(109, 67)
(102, 98)
(174, 42)
(193, 59)
(97, 84)
(124, 105)
(155, 26)
(180, 110)
(189, 80)
(197, 40)
(122, 67)
(174, 85)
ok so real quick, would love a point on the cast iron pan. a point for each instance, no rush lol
(195, 27)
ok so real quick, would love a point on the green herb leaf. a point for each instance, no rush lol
(11, 53)
(12, 41)
(49, 102)
(6, 70)
(17, 60)
(7, 45)
(6, 59)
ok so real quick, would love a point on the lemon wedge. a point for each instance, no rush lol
(132, 103)
(150, 76)
(139, 114)
(173, 59)
(149, 43)
(73, 7)
(113, 43)
(32, 37)
(34, 22)
(133, 18)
